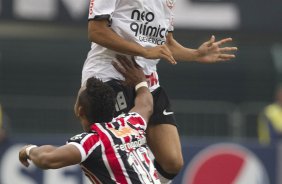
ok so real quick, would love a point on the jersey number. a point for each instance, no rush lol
(141, 164)
(120, 102)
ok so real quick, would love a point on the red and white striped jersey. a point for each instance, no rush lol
(116, 152)
(143, 22)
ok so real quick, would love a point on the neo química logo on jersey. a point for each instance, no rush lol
(143, 28)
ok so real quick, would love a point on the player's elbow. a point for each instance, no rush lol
(149, 110)
(146, 107)
(93, 35)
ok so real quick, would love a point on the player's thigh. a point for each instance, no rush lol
(162, 134)
(164, 142)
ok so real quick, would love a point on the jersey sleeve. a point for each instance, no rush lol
(101, 9)
(86, 143)
(171, 9)
(171, 23)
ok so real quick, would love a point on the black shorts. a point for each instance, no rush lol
(162, 114)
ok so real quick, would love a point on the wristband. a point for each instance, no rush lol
(27, 150)
(141, 84)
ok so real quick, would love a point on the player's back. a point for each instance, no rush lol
(117, 152)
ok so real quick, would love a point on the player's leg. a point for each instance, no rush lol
(163, 138)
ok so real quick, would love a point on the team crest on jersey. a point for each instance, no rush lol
(78, 137)
(170, 3)
(123, 131)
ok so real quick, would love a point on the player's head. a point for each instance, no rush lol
(95, 102)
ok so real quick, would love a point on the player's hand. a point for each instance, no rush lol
(23, 156)
(211, 51)
(130, 70)
(159, 52)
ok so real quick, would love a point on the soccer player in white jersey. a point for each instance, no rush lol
(144, 29)
(111, 150)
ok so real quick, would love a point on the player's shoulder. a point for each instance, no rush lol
(133, 118)
(82, 137)
(128, 115)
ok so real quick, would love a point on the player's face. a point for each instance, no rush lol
(76, 105)
(75, 108)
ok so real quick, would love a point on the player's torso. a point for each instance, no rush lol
(142, 21)
(123, 154)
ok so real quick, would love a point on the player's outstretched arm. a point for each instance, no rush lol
(50, 157)
(135, 77)
(100, 33)
(210, 51)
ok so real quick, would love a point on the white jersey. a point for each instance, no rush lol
(145, 22)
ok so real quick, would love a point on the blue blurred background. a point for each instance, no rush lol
(43, 44)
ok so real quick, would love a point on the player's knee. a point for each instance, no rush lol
(173, 165)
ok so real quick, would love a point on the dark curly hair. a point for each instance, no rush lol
(98, 101)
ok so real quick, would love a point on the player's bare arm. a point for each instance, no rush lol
(135, 77)
(100, 33)
(210, 51)
(50, 157)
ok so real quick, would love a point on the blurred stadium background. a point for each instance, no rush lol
(43, 44)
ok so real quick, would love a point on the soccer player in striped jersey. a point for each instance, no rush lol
(111, 150)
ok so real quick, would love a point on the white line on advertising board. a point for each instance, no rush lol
(206, 15)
